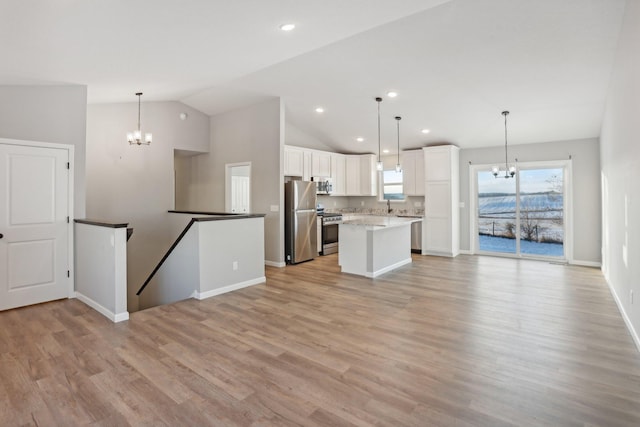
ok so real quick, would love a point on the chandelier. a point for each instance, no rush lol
(379, 163)
(135, 137)
(509, 170)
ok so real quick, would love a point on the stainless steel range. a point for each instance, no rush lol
(330, 227)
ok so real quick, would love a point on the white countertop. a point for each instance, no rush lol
(380, 222)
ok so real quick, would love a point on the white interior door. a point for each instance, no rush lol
(34, 257)
(240, 194)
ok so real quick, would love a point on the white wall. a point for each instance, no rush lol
(254, 134)
(54, 114)
(135, 184)
(620, 163)
(101, 269)
(299, 138)
(214, 257)
(586, 187)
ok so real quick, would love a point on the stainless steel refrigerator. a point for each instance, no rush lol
(301, 242)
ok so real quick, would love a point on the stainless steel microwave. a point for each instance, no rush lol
(323, 185)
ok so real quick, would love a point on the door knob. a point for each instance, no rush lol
(1, 235)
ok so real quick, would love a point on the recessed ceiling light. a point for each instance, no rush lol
(425, 131)
(287, 27)
(392, 94)
(319, 110)
(385, 151)
(360, 139)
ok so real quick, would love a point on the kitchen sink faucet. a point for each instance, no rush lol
(388, 206)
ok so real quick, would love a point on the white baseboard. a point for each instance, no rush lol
(389, 268)
(114, 317)
(465, 252)
(274, 264)
(229, 288)
(586, 263)
(627, 321)
(436, 253)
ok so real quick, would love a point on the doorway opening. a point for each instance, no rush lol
(238, 187)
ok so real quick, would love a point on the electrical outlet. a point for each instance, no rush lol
(235, 265)
(361, 203)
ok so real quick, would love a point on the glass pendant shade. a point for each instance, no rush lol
(398, 167)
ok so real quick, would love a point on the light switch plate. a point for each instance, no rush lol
(274, 208)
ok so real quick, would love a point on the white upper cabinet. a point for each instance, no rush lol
(413, 172)
(368, 175)
(320, 164)
(437, 162)
(338, 170)
(361, 175)
(306, 160)
(293, 161)
(352, 174)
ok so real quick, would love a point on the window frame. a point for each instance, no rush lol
(381, 185)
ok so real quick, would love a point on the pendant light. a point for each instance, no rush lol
(398, 167)
(135, 137)
(509, 171)
(379, 164)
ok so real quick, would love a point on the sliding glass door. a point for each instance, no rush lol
(523, 216)
(541, 198)
(496, 214)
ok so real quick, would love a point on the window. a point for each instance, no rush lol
(392, 185)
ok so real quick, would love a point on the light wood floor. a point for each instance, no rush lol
(443, 342)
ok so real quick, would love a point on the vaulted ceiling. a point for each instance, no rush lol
(455, 64)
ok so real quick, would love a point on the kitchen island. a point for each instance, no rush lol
(373, 245)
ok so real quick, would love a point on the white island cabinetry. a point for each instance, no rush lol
(371, 246)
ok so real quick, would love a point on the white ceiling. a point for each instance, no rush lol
(456, 64)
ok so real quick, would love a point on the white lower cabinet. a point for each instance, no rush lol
(319, 233)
